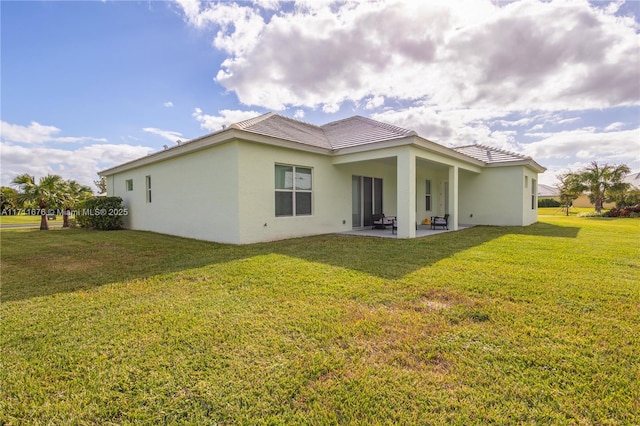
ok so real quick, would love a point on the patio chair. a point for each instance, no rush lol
(378, 220)
(440, 221)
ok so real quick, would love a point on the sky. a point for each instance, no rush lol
(87, 85)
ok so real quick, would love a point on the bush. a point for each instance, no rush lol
(548, 202)
(628, 212)
(593, 214)
(104, 213)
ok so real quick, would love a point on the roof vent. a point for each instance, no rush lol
(179, 142)
(224, 126)
(165, 146)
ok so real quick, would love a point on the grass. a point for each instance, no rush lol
(33, 221)
(532, 325)
(559, 211)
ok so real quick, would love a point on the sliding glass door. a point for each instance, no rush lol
(366, 200)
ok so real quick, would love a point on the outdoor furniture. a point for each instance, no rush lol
(440, 221)
(380, 221)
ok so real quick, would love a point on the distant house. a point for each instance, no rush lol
(550, 192)
(272, 177)
(633, 179)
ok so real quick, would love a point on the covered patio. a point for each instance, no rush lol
(409, 181)
(421, 231)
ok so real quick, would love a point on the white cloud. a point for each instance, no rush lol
(227, 117)
(374, 102)
(518, 56)
(299, 114)
(81, 164)
(37, 133)
(166, 134)
(587, 144)
(614, 126)
(168, 104)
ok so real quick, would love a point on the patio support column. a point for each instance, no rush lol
(453, 198)
(406, 193)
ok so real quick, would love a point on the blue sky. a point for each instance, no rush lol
(88, 85)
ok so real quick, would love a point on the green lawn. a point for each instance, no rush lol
(489, 325)
(28, 220)
(559, 211)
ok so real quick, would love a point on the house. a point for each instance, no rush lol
(548, 192)
(273, 177)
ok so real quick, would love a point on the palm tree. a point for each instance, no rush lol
(569, 188)
(45, 193)
(599, 179)
(72, 195)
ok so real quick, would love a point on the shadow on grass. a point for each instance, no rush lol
(36, 263)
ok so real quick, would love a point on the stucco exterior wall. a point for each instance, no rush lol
(584, 201)
(497, 196)
(331, 197)
(256, 203)
(438, 177)
(194, 195)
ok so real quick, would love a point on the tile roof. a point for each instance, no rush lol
(490, 155)
(547, 191)
(633, 179)
(277, 126)
(353, 131)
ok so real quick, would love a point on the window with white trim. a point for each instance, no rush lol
(293, 190)
(534, 204)
(148, 184)
(129, 184)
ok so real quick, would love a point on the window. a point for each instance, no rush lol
(293, 190)
(129, 184)
(427, 191)
(533, 194)
(148, 180)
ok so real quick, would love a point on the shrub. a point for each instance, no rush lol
(104, 213)
(628, 212)
(548, 202)
(593, 214)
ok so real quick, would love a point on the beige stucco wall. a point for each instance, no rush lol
(490, 197)
(194, 195)
(331, 199)
(438, 176)
(330, 195)
(583, 201)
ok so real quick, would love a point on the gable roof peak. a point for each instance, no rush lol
(241, 125)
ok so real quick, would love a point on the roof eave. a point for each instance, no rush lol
(527, 162)
(387, 143)
(446, 151)
(207, 141)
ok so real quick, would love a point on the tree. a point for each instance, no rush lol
(601, 179)
(72, 194)
(8, 199)
(46, 193)
(101, 184)
(569, 188)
